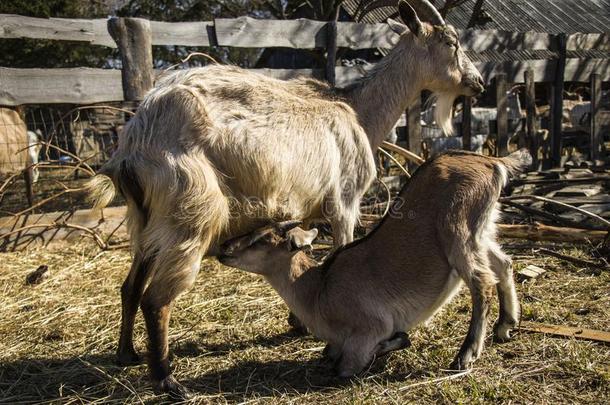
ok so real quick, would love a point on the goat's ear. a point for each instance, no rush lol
(397, 27)
(409, 16)
(299, 239)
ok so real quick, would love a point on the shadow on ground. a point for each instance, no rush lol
(97, 377)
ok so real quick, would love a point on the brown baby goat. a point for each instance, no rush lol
(365, 296)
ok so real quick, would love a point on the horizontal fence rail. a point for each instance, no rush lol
(301, 33)
(84, 85)
(87, 85)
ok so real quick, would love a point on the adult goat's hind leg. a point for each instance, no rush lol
(175, 270)
(474, 270)
(507, 293)
(131, 294)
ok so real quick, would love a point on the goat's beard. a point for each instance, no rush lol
(443, 112)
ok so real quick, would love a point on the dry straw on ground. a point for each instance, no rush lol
(231, 341)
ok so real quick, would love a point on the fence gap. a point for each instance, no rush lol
(597, 138)
(502, 115)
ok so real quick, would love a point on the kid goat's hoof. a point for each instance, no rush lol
(462, 363)
(502, 331)
(172, 388)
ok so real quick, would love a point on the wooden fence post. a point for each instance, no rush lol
(530, 120)
(414, 127)
(133, 37)
(502, 115)
(596, 133)
(467, 123)
(557, 105)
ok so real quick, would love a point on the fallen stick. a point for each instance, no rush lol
(540, 232)
(566, 331)
(574, 260)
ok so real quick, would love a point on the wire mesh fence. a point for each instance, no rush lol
(48, 152)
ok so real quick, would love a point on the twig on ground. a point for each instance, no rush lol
(562, 204)
(574, 260)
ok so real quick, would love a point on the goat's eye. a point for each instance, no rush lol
(450, 44)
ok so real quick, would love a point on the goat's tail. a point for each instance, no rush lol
(517, 162)
(101, 188)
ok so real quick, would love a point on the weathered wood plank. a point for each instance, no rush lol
(181, 33)
(74, 85)
(566, 331)
(92, 31)
(541, 232)
(577, 42)
(37, 234)
(287, 74)
(580, 70)
(365, 36)
(486, 40)
(249, 32)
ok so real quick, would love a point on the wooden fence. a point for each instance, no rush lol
(576, 57)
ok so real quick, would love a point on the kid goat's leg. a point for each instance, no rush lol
(474, 269)
(507, 294)
(131, 294)
(357, 353)
(176, 269)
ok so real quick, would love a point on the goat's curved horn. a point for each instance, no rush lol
(285, 226)
(426, 11)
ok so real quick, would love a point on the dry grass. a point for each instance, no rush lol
(232, 344)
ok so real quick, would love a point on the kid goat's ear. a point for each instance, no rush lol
(299, 239)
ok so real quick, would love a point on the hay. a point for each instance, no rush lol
(231, 341)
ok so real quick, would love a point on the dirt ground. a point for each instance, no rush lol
(231, 342)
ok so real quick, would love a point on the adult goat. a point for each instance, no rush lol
(215, 152)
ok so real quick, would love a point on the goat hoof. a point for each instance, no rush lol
(462, 363)
(128, 358)
(502, 332)
(297, 326)
(172, 388)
